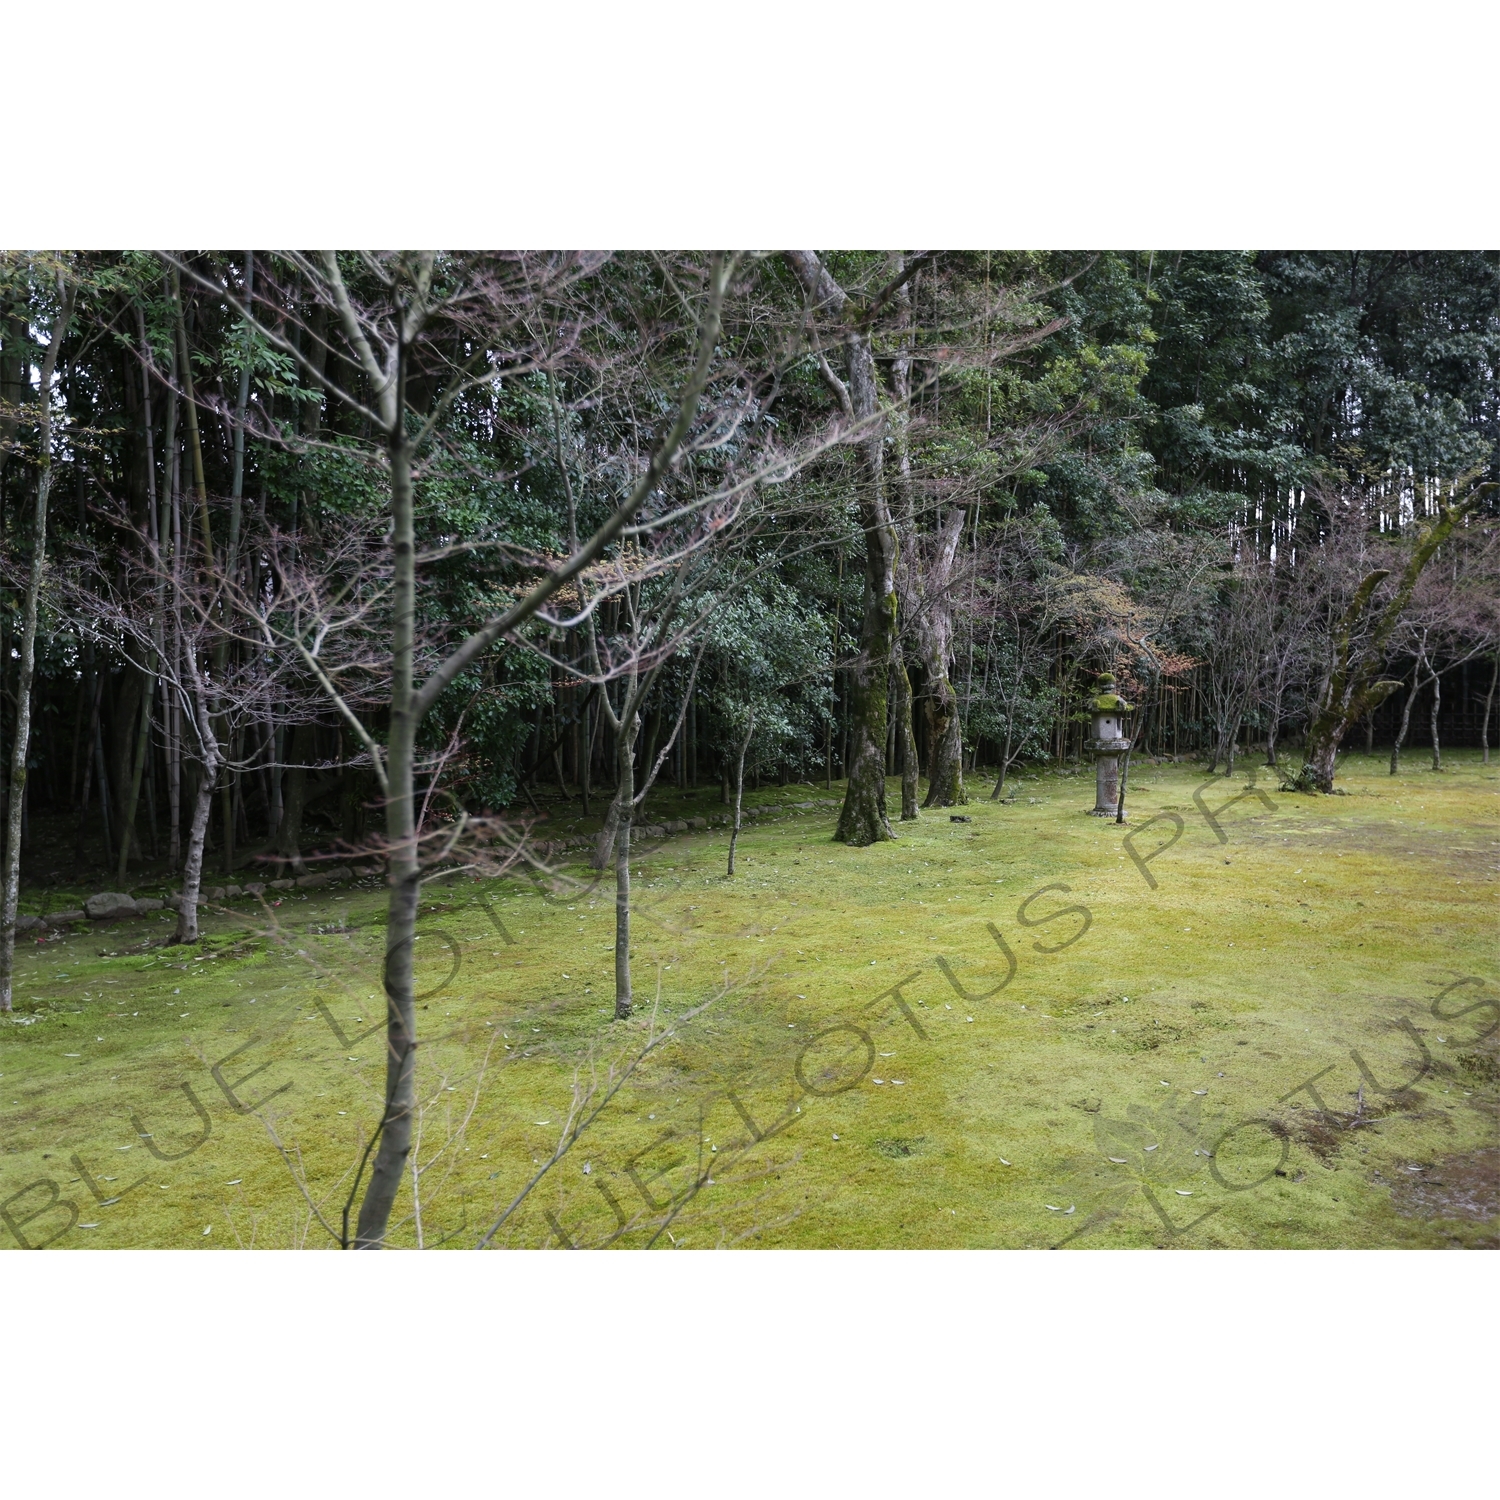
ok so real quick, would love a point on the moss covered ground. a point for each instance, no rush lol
(1263, 1022)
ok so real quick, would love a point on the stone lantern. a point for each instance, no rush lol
(1108, 745)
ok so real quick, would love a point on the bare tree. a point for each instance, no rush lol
(419, 331)
(1358, 641)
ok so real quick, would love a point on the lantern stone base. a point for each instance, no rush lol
(1107, 777)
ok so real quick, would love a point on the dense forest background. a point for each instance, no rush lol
(1176, 465)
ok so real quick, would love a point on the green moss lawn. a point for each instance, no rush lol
(1265, 1050)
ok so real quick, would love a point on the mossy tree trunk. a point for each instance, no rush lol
(945, 776)
(863, 819)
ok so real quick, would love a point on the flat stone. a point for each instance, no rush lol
(214, 893)
(255, 888)
(309, 882)
(109, 904)
(231, 891)
(147, 903)
(25, 924)
(697, 822)
(61, 918)
(282, 885)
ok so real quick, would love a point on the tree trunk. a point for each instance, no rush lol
(404, 868)
(276, 740)
(863, 818)
(945, 773)
(1489, 703)
(906, 740)
(106, 818)
(294, 798)
(903, 708)
(1437, 703)
(739, 788)
(172, 467)
(10, 889)
(625, 802)
(1411, 697)
(192, 866)
(209, 759)
(94, 679)
(1010, 724)
(138, 768)
(140, 759)
(624, 738)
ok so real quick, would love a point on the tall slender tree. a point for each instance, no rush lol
(66, 291)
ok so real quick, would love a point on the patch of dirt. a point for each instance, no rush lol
(1479, 1066)
(1326, 1132)
(896, 1147)
(1453, 1187)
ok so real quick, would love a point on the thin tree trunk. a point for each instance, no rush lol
(192, 866)
(405, 872)
(10, 891)
(833, 676)
(1489, 703)
(174, 780)
(1437, 703)
(95, 685)
(172, 464)
(294, 798)
(625, 802)
(237, 481)
(200, 485)
(739, 788)
(276, 738)
(906, 741)
(1010, 721)
(138, 767)
(902, 707)
(1406, 707)
(138, 759)
(106, 821)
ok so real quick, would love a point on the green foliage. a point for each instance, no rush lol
(771, 654)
